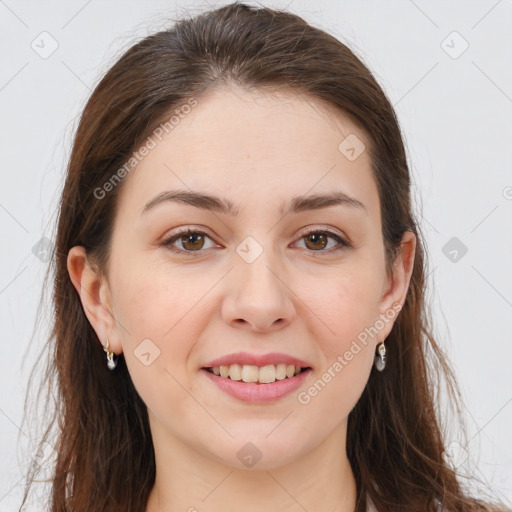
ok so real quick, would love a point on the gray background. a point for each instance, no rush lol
(455, 109)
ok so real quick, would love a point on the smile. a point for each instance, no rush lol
(249, 388)
(251, 373)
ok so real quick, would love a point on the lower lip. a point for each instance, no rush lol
(254, 392)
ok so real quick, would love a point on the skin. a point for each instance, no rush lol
(299, 297)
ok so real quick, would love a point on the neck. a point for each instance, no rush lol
(187, 479)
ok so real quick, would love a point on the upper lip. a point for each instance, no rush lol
(257, 360)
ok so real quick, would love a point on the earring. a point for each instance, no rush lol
(380, 360)
(110, 356)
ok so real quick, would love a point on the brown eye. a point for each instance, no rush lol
(316, 241)
(323, 241)
(193, 241)
(189, 241)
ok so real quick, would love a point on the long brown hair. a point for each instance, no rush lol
(105, 459)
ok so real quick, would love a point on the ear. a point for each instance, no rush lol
(94, 292)
(395, 289)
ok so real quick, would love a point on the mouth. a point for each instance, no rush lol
(258, 385)
(257, 374)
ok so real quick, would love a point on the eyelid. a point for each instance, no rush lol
(321, 229)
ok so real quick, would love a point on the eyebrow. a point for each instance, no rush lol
(221, 205)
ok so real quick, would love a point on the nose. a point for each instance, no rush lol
(259, 299)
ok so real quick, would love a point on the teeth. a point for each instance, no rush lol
(250, 373)
(267, 374)
(280, 372)
(235, 371)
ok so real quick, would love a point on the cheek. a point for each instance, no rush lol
(160, 320)
(341, 314)
(347, 307)
(154, 302)
(163, 320)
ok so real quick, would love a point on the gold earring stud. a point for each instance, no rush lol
(111, 364)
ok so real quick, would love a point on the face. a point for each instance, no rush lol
(280, 262)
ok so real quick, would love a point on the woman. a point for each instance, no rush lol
(239, 285)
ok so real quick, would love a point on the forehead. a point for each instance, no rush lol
(255, 146)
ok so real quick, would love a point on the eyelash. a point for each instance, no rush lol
(169, 241)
